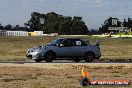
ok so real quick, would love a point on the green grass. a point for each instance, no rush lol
(14, 48)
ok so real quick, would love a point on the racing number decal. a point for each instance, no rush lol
(78, 43)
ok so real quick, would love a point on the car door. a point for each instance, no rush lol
(64, 50)
(77, 48)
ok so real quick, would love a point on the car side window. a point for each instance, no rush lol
(78, 43)
(83, 43)
(72, 43)
(66, 43)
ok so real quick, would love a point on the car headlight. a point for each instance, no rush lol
(33, 50)
(28, 51)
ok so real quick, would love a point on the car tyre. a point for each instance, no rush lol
(49, 57)
(89, 57)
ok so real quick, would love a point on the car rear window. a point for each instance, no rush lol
(78, 43)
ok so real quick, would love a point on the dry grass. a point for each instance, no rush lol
(59, 75)
(14, 48)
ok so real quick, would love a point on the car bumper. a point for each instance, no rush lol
(32, 55)
(98, 55)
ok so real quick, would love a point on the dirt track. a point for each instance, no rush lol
(64, 65)
(59, 75)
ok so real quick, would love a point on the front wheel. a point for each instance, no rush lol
(89, 57)
(49, 57)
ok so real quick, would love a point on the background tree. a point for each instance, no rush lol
(55, 23)
(78, 26)
(34, 22)
(127, 24)
(1, 27)
(65, 25)
(108, 23)
(8, 27)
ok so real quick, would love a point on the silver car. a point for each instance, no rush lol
(65, 49)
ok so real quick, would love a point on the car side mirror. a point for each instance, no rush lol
(97, 43)
(61, 45)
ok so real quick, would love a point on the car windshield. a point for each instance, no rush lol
(55, 42)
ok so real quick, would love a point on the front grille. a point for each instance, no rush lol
(29, 56)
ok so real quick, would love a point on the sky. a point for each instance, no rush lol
(94, 12)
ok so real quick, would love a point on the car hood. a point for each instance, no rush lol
(35, 49)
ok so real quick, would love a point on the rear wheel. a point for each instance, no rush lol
(38, 60)
(89, 57)
(50, 56)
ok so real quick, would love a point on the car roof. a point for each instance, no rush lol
(69, 38)
(85, 40)
(73, 38)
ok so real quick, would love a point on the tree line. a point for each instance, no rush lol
(108, 23)
(52, 23)
(13, 28)
(56, 23)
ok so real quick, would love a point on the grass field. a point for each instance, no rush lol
(14, 48)
(56, 75)
(63, 75)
